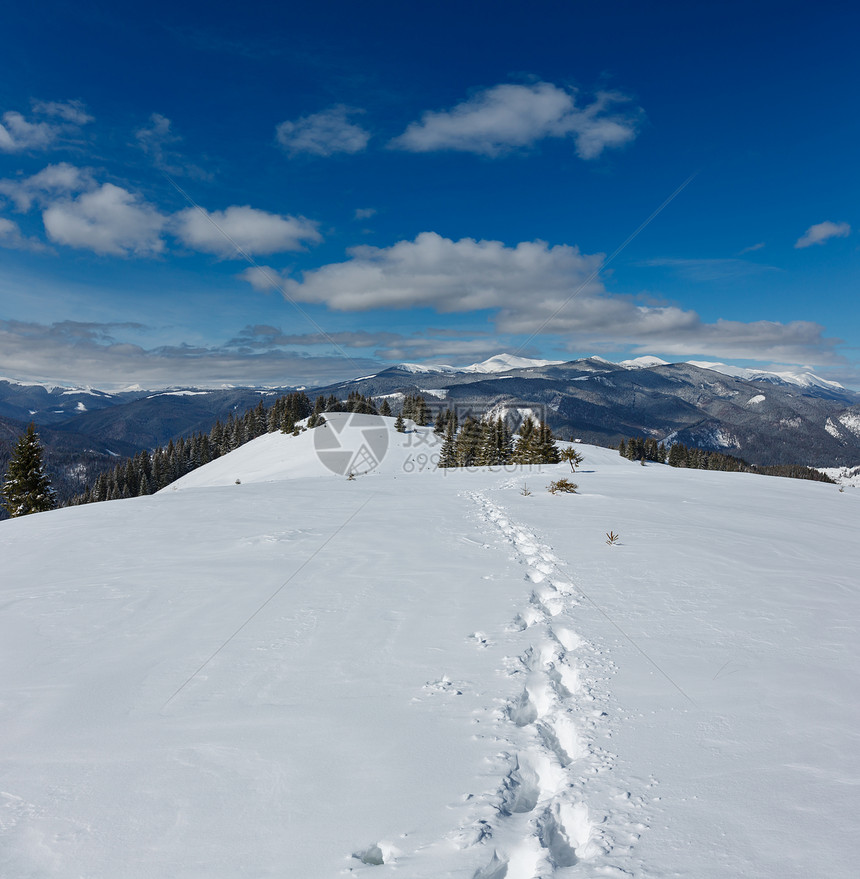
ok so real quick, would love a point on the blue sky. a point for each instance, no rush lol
(206, 194)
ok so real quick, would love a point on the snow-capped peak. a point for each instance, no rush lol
(496, 363)
(802, 379)
(422, 368)
(48, 386)
(643, 362)
(504, 362)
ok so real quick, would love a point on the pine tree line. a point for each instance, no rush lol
(489, 442)
(416, 408)
(478, 442)
(148, 472)
(639, 449)
(693, 458)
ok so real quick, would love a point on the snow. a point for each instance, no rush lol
(303, 675)
(803, 379)
(53, 386)
(832, 429)
(504, 362)
(48, 386)
(513, 413)
(438, 393)
(758, 398)
(643, 362)
(845, 476)
(184, 393)
(496, 363)
(851, 421)
(421, 368)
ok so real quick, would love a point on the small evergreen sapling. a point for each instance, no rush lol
(572, 457)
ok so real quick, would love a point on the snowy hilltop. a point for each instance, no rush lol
(270, 669)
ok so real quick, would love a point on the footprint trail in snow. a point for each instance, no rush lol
(536, 821)
(540, 822)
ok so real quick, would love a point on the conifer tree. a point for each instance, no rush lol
(523, 450)
(572, 457)
(447, 454)
(400, 425)
(27, 489)
(385, 408)
(421, 412)
(546, 450)
(468, 443)
(496, 443)
(316, 416)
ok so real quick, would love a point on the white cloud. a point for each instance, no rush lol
(533, 288)
(70, 111)
(12, 237)
(157, 139)
(324, 133)
(436, 272)
(91, 354)
(51, 182)
(262, 337)
(224, 233)
(107, 220)
(111, 220)
(364, 213)
(508, 116)
(821, 232)
(18, 134)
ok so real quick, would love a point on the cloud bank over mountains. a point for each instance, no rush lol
(529, 289)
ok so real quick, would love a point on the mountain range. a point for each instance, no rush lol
(763, 417)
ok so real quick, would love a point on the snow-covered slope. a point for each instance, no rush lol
(302, 675)
(643, 362)
(802, 379)
(496, 363)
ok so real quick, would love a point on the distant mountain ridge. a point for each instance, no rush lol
(771, 418)
(763, 417)
(507, 362)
